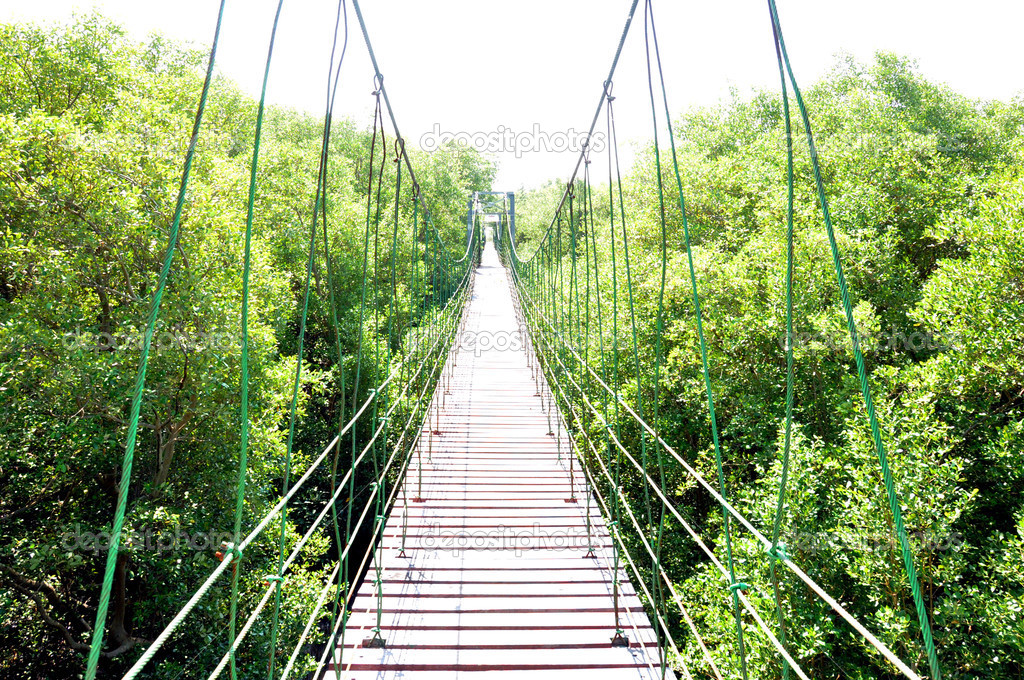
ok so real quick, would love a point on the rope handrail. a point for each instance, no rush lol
(269, 517)
(686, 525)
(353, 534)
(447, 283)
(552, 313)
(792, 566)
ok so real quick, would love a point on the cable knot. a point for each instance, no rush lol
(226, 549)
(739, 585)
(778, 551)
(274, 578)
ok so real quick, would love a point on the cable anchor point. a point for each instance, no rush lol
(375, 642)
(620, 639)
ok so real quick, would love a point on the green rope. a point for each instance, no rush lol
(777, 549)
(99, 629)
(574, 297)
(448, 278)
(741, 648)
(366, 258)
(880, 450)
(292, 419)
(615, 358)
(243, 448)
(342, 16)
(614, 153)
(656, 586)
(588, 226)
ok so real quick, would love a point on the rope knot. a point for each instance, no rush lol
(778, 551)
(226, 549)
(739, 585)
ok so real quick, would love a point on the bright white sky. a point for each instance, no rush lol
(474, 66)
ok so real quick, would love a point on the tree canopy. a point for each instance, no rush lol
(927, 195)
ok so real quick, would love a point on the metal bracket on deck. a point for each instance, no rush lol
(375, 642)
(620, 640)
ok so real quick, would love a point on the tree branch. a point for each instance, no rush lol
(24, 583)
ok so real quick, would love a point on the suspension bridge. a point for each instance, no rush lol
(495, 557)
(492, 451)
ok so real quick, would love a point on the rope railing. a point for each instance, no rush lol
(542, 374)
(552, 372)
(455, 305)
(559, 292)
(438, 282)
(375, 485)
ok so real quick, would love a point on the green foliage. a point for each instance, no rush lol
(926, 195)
(93, 130)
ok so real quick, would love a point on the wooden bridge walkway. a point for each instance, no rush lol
(495, 577)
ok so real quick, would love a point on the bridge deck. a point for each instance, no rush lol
(495, 577)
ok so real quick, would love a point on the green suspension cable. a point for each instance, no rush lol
(733, 584)
(880, 450)
(243, 448)
(615, 363)
(777, 550)
(657, 589)
(342, 16)
(99, 629)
